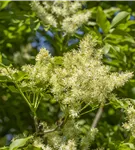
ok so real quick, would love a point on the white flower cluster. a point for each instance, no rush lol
(9, 72)
(71, 24)
(69, 146)
(68, 16)
(38, 143)
(65, 8)
(47, 18)
(54, 140)
(42, 56)
(84, 79)
(130, 125)
(40, 72)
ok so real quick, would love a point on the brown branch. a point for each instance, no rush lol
(97, 117)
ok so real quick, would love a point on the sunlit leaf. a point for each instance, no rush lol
(102, 20)
(19, 76)
(37, 26)
(19, 143)
(119, 18)
(13, 89)
(3, 4)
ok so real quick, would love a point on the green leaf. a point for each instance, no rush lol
(19, 76)
(3, 4)
(58, 60)
(31, 147)
(6, 62)
(126, 146)
(37, 26)
(118, 37)
(102, 20)
(119, 32)
(119, 18)
(13, 89)
(128, 24)
(2, 65)
(19, 143)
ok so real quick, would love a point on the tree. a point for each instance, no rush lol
(74, 84)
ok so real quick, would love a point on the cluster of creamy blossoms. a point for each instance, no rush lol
(83, 78)
(130, 125)
(39, 73)
(68, 16)
(70, 145)
(9, 72)
(39, 144)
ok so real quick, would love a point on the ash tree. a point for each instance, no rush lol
(77, 81)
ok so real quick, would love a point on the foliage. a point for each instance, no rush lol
(76, 84)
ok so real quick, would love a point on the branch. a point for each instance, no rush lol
(59, 123)
(97, 117)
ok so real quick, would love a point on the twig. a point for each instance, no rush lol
(97, 117)
(59, 125)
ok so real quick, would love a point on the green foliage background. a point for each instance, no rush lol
(115, 33)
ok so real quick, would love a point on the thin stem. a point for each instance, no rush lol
(34, 97)
(85, 107)
(36, 122)
(27, 101)
(27, 96)
(89, 111)
(36, 100)
(93, 109)
(19, 88)
(31, 108)
(51, 130)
